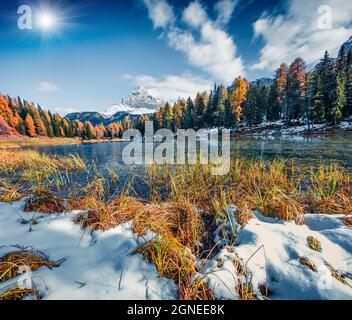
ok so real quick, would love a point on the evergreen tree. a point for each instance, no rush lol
(348, 107)
(273, 105)
(200, 104)
(177, 115)
(168, 116)
(250, 106)
(209, 116)
(219, 106)
(328, 83)
(339, 105)
(318, 109)
(188, 120)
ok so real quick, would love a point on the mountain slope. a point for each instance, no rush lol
(138, 103)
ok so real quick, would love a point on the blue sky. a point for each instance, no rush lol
(99, 51)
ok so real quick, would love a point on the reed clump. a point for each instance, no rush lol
(347, 221)
(33, 172)
(14, 294)
(307, 263)
(11, 263)
(178, 229)
(269, 187)
(314, 244)
(329, 190)
(11, 192)
(45, 202)
(19, 160)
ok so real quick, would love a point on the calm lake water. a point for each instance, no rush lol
(304, 149)
(336, 147)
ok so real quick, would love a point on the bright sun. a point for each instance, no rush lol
(47, 20)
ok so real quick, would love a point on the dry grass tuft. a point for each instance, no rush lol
(12, 262)
(264, 290)
(245, 291)
(45, 202)
(178, 226)
(314, 244)
(20, 160)
(347, 221)
(330, 190)
(10, 192)
(192, 290)
(271, 188)
(307, 263)
(15, 294)
(242, 216)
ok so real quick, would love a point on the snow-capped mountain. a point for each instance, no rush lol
(347, 46)
(137, 103)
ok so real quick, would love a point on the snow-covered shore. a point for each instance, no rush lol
(271, 250)
(98, 266)
(101, 266)
(279, 128)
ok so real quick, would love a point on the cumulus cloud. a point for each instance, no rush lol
(195, 15)
(224, 10)
(160, 12)
(303, 30)
(171, 87)
(47, 87)
(204, 42)
(64, 111)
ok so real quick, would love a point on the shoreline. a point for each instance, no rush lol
(274, 129)
(17, 142)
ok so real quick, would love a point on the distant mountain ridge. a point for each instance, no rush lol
(138, 103)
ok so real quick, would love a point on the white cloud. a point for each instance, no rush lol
(297, 32)
(47, 87)
(160, 12)
(204, 42)
(224, 10)
(194, 15)
(215, 52)
(64, 111)
(171, 87)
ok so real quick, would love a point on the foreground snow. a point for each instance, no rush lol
(271, 250)
(101, 266)
(96, 267)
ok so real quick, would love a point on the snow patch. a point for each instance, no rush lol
(97, 266)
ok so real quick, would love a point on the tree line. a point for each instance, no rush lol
(19, 117)
(294, 96)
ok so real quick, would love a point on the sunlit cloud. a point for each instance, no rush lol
(297, 32)
(47, 87)
(171, 87)
(204, 41)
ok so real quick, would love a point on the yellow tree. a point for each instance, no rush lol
(100, 131)
(7, 113)
(238, 97)
(30, 127)
(39, 125)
